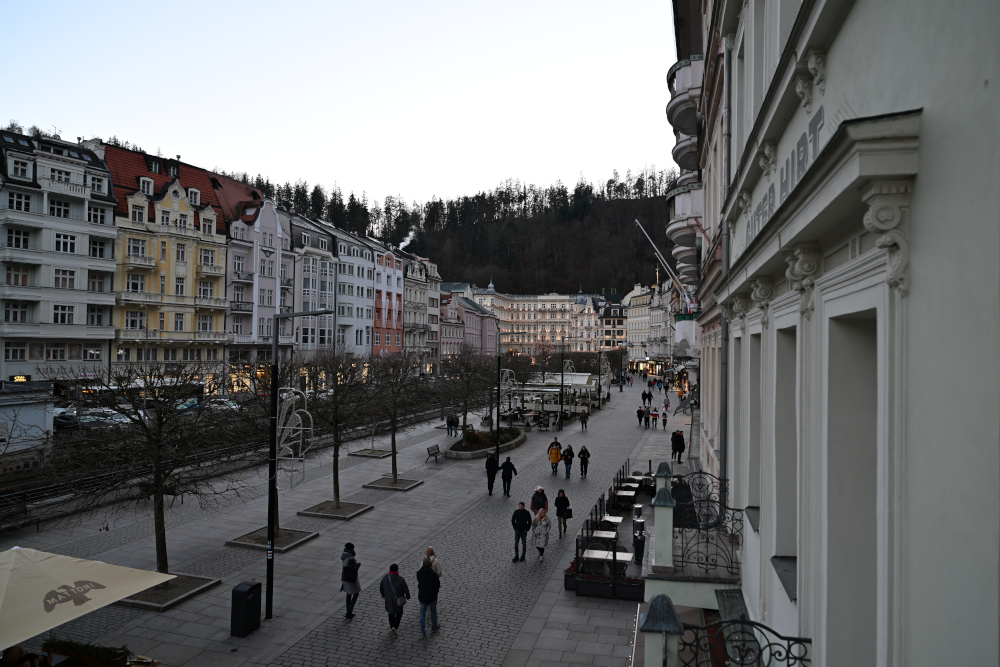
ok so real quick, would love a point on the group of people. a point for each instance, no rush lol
(566, 454)
(394, 590)
(645, 415)
(452, 423)
(539, 525)
(506, 470)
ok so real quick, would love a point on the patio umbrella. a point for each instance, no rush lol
(39, 590)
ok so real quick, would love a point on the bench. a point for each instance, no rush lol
(434, 451)
(16, 515)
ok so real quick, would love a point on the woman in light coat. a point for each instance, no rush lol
(540, 528)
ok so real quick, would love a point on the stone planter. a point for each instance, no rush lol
(569, 582)
(602, 589)
(483, 453)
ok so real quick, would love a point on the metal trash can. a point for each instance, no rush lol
(639, 540)
(245, 616)
(636, 511)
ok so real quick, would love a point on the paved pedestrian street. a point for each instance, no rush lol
(492, 611)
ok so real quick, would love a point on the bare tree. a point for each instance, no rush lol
(398, 394)
(148, 432)
(472, 381)
(522, 367)
(344, 404)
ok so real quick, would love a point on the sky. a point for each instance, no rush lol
(419, 99)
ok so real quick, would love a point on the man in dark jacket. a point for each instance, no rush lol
(680, 445)
(393, 588)
(349, 578)
(640, 412)
(507, 472)
(491, 471)
(522, 524)
(428, 585)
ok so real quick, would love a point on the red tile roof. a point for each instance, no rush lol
(127, 166)
(233, 195)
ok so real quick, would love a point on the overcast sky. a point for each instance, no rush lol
(418, 98)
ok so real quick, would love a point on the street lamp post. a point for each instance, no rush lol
(272, 465)
(562, 377)
(496, 427)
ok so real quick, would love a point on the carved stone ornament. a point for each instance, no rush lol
(817, 67)
(888, 208)
(804, 89)
(803, 264)
(768, 158)
(739, 304)
(744, 202)
(761, 293)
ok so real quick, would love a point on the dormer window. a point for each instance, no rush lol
(20, 169)
(343, 249)
(306, 239)
(194, 197)
(146, 186)
(322, 244)
(96, 184)
(154, 167)
(172, 170)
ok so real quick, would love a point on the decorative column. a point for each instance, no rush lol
(663, 544)
(662, 628)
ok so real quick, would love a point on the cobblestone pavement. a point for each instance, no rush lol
(488, 605)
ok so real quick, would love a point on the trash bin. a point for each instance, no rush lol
(639, 540)
(636, 511)
(245, 616)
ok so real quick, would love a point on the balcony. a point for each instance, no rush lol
(684, 80)
(688, 204)
(285, 309)
(139, 262)
(684, 253)
(211, 269)
(212, 336)
(286, 283)
(67, 187)
(286, 340)
(210, 302)
(137, 334)
(240, 338)
(21, 291)
(243, 276)
(241, 306)
(685, 152)
(138, 297)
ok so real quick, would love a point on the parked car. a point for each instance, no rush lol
(65, 422)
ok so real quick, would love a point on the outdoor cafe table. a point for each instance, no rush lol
(605, 534)
(597, 554)
(626, 494)
(612, 519)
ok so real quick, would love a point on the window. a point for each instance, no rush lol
(55, 351)
(20, 169)
(17, 238)
(96, 184)
(378, 337)
(238, 293)
(263, 267)
(91, 354)
(207, 257)
(194, 196)
(15, 351)
(208, 226)
(260, 296)
(172, 170)
(163, 284)
(178, 321)
(163, 251)
(136, 247)
(18, 202)
(124, 354)
(164, 217)
(15, 311)
(237, 325)
(95, 316)
(270, 323)
(154, 167)
(206, 289)
(138, 213)
(179, 286)
(17, 274)
(146, 187)
(270, 297)
(182, 221)
(306, 239)
(192, 355)
(170, 354)
(97, 215)
(58, 208)
(322, 244)
(238, 263)
(134, 319)
(204, 323)
(145, 354)
(60, 175)
(270, 268)
(62, 314)
(397, 339)
(135, 282)
(212, 354)
(181, 252)
(65, 279)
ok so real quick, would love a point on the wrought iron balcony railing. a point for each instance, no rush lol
(707, 535)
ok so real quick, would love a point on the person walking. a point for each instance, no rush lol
(491, 471)
(645, 416)
(584, 418)
(655, 414)
(349, 578)
(659, 386)
(584, 457)
(666, 407)
(540, 529)
(680, 445)
(555, 455)
(562, 504)
(639, 413)
(521, 520)
(435, 561)
(567, 457)
(539, 501)
(395, 592)
(507, 472)
(428, 585)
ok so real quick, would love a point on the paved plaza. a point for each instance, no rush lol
(492, 611)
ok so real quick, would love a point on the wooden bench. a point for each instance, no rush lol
(434, 451)
(16, 515)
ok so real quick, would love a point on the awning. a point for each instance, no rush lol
(39, 590)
